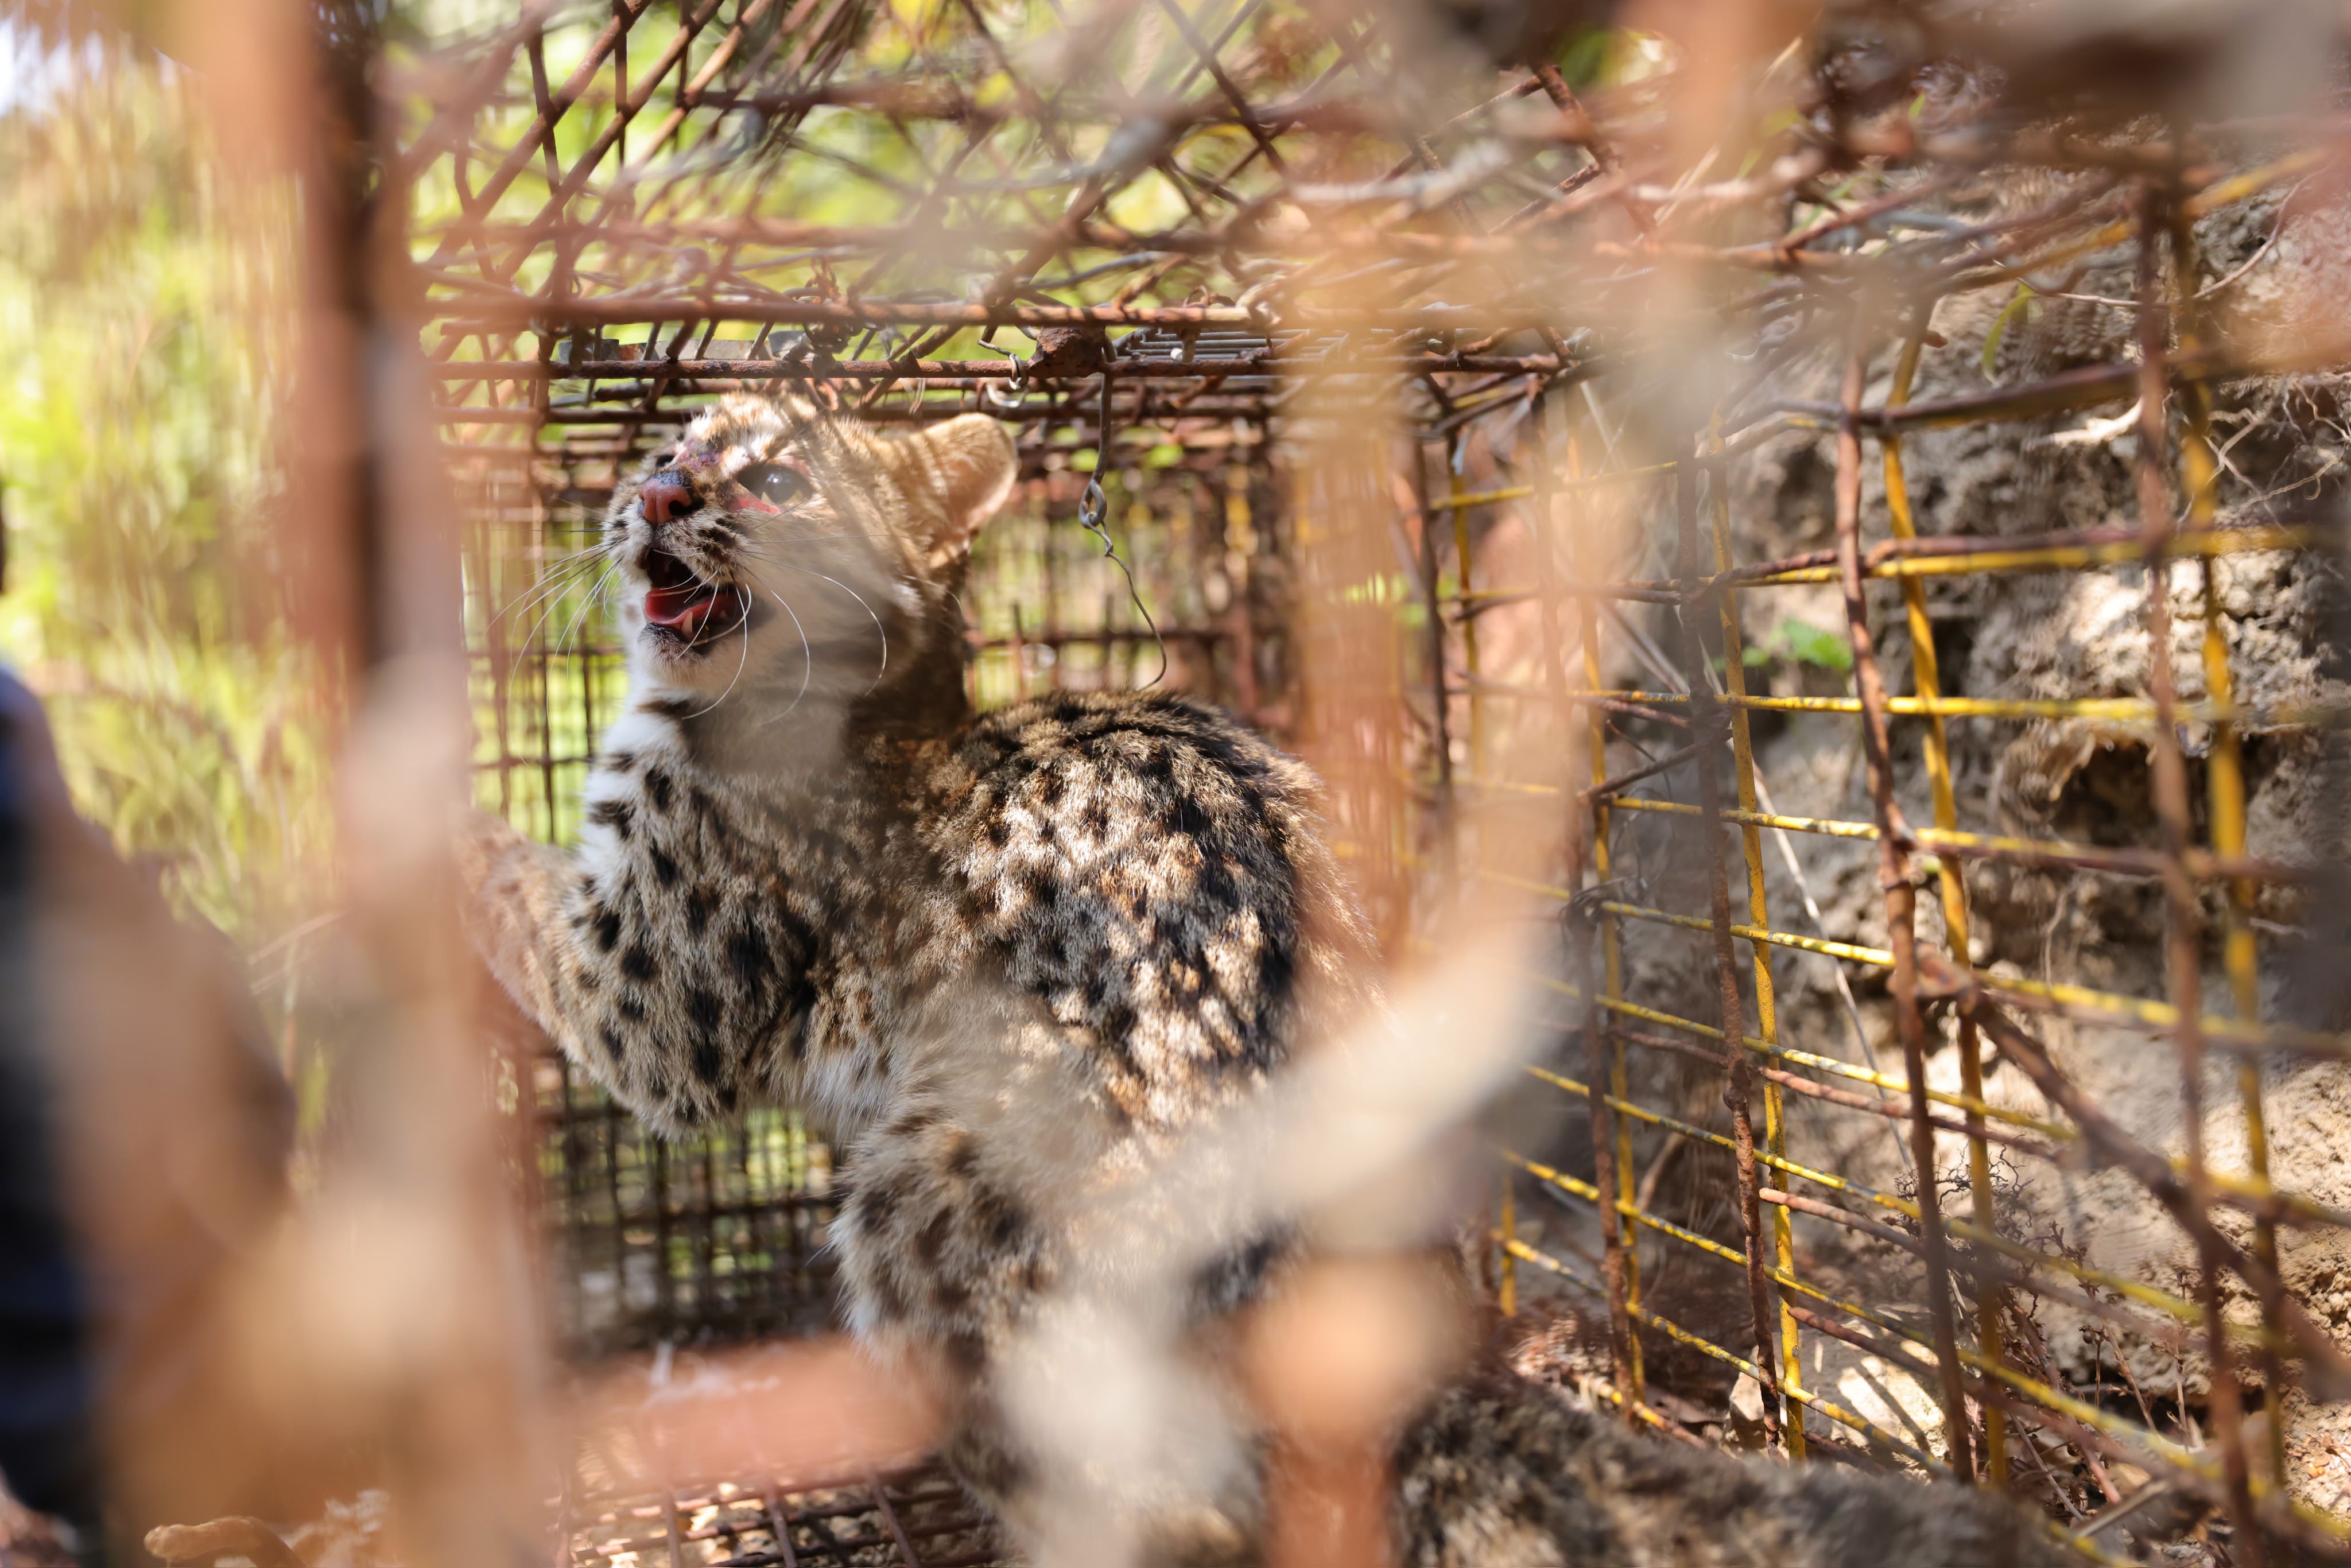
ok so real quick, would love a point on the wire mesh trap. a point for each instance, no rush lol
(1899, 573)
(899, 1521)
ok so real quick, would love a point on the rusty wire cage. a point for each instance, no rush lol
(1829, 1085)
(920, 1517)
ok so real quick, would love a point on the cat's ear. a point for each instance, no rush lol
(953, 475)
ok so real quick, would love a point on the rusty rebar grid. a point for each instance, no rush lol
(601, 254)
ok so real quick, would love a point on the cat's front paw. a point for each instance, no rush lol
(510, 903)
(484, 843)
(485, 850)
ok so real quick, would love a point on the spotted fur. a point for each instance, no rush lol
(1497, 1474)
(1005, 960)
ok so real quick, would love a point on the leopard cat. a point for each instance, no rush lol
(1003, 960)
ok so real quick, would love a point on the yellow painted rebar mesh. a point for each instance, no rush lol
(1980, 1120)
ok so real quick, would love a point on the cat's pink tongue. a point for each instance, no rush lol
(682, 610)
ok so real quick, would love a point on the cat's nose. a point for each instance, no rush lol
(664, 495)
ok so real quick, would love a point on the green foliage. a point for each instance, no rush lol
(1591, 57)
(1585, 54)
(1800, 643)
(141, 296)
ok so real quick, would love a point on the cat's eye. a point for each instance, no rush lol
(774, 482)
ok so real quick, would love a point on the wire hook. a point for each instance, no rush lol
(1008, 398)
(1094, 516)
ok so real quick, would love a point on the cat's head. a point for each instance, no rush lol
(774, 552)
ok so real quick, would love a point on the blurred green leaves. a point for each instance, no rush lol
(1800, 643)
(144, 303)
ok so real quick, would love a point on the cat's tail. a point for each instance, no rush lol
(1339, 1185)
(1379, 1147)
(1496, 1471)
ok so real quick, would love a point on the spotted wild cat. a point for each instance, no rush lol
(1004, 960)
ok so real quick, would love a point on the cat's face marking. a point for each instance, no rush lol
(737, 559)
(775, 550)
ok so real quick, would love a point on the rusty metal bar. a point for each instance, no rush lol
(2114, 710)
(2078, 1001)
(2225, 790)
(2201, 863)
(1710, 722)
(1272, 361)
(1894, 881)
(779, 1525)
(1766, 1023)
(2183, 957)
(1959, 554)
(1612, 1147)
(1927, 679)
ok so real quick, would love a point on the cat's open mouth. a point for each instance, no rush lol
(683, 607)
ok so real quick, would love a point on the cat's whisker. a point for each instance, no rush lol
(552, 603)
(808, 656)
(601, 593)
(588, 601)
(741, 661)
(558, 577)
(570, 559)
(551, 582)
(570, 567)
(549, 603)
(879, 630)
